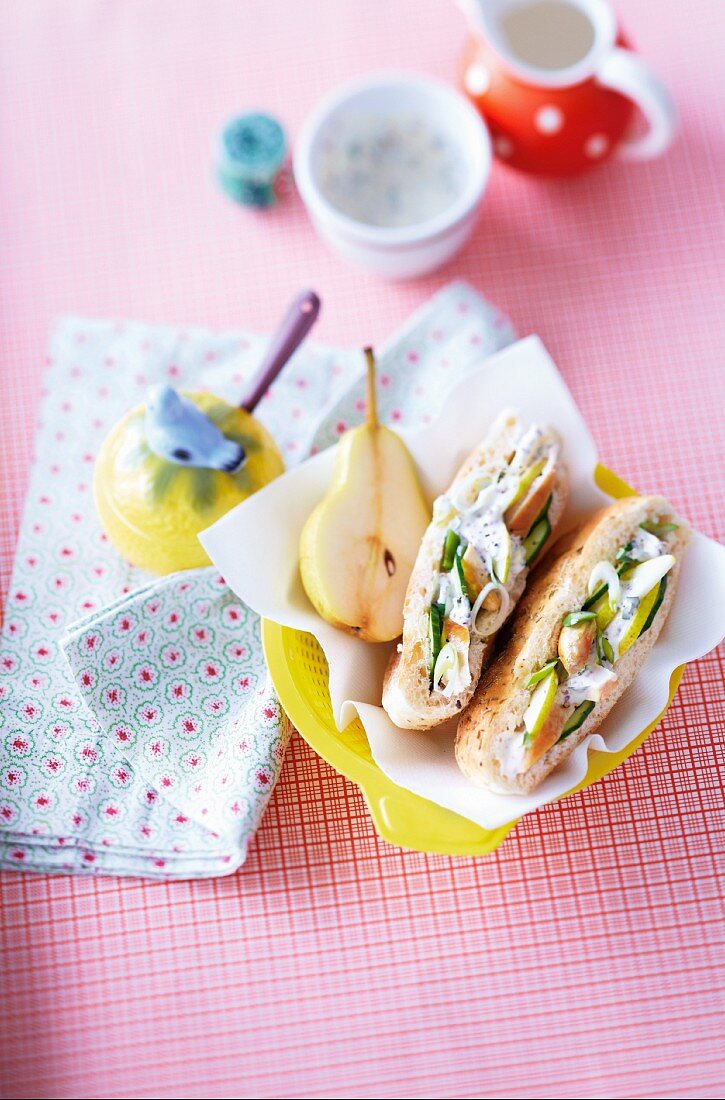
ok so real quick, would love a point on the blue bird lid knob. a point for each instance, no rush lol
(179, 432)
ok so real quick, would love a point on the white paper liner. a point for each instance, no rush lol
(255, 546)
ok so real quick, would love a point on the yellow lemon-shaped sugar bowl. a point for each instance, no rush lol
(153, 509)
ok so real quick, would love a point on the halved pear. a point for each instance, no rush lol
(359, 545)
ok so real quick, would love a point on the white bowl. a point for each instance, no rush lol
(402, 251)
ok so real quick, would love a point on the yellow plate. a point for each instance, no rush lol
(298, 669)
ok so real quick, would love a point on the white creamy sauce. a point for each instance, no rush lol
(645, 545)
(392, 169)
(459, 611)
(482, 523)
(620, 622)
(527, 448)
(586, 684)
(510, 755)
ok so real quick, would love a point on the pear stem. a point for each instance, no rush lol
(371, 413)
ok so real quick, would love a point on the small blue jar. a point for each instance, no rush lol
(251, 159)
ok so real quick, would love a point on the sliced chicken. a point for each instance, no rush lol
(575, 645)
(520, 516)
(477, 578)
(547, 736)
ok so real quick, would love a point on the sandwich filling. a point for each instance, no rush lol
(624, 597)
(495, 528)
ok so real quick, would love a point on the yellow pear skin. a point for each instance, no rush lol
(359, 545)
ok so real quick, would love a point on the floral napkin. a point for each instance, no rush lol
(153, 748)
(170, 674)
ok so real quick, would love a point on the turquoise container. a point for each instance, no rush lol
(251, 159)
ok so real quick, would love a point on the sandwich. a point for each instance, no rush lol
(579, 637)
(492, 525)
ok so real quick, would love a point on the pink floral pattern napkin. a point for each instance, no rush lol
(170, 676)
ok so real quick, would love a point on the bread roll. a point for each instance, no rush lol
(509, 451)
(491, 749)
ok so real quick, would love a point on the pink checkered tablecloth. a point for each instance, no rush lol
(587, 956)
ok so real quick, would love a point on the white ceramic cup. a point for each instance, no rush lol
(398, 252)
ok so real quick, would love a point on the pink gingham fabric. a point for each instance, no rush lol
(587, 956)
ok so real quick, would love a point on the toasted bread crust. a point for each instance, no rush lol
(495, 716)
(406, 691)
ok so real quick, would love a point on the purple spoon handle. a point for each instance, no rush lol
(297, 322)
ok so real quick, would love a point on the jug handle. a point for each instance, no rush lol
(624, 72)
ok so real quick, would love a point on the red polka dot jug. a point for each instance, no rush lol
(559, 85)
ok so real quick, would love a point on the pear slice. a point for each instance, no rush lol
(543, 719)
(604, 611)
(358, 547)
(542, 698)
(640, 579)
(636, 625)
(637, 580)
(526, 480)
(501, 562)
(547, 736)
(521, 515)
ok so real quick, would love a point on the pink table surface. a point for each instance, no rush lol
(587, 956)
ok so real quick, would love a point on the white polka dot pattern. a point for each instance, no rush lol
(549, 120)
(596, 145)
(478, 79)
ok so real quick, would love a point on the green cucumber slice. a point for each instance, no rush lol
(576, 719)
(460, 576)
(576, 617)
(655, 607)
(604, 649)
(451, 544)
(534, 541)
(435, 639)
(543, 513)
(594, 598)
(658, 529)
(543, 672)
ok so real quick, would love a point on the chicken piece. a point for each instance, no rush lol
(575, 645)
(477, 578)
(456, 633)
(547, 736)
(520, 516)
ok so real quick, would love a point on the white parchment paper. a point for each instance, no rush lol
(255, 546)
